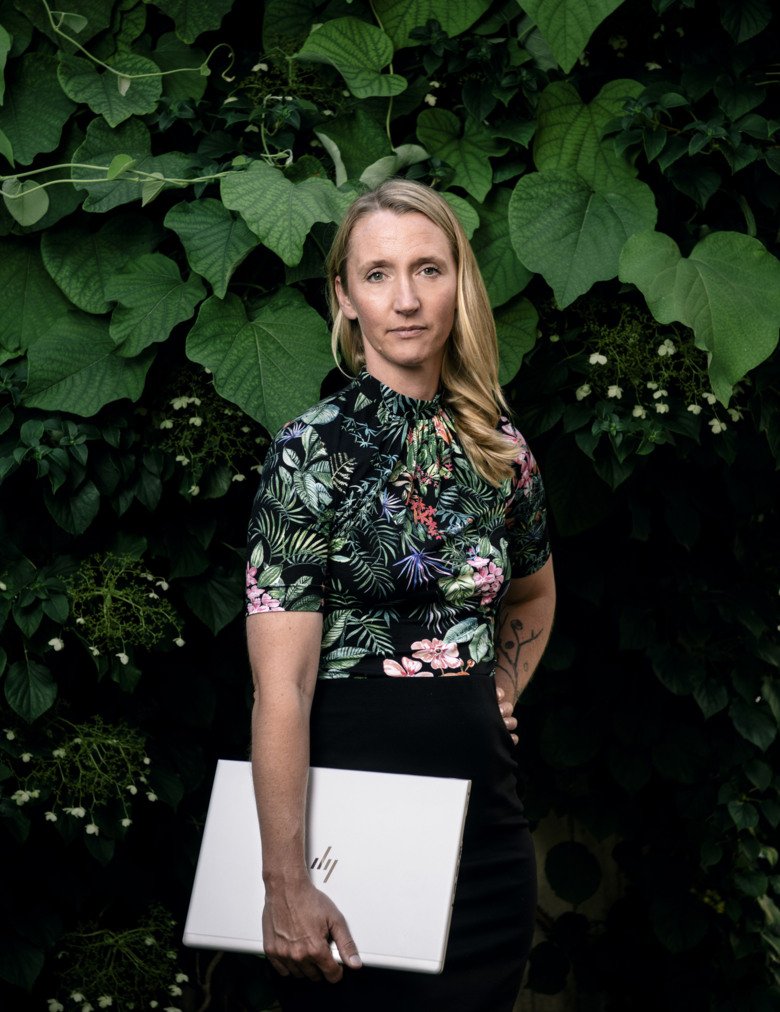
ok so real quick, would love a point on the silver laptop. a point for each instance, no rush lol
(385, 847)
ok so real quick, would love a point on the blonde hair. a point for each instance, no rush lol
(469, 372)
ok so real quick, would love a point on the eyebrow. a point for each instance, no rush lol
(370, 265)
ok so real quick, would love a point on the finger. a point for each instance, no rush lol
(500, 693)
(515, 739)
(345, 943)
(279, 966)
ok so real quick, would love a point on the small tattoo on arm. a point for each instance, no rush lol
(510, 644)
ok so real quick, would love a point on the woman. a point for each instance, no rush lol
(381, 542)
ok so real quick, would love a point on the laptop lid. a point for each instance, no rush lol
(385, 847)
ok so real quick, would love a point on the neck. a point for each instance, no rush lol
(421, 385)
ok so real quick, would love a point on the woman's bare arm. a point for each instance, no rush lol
(298, 919)
(524, 627)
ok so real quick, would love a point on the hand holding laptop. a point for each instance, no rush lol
(298, 924)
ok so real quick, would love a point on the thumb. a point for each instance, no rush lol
(345, 944)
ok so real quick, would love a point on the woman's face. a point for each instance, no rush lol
(401, 287)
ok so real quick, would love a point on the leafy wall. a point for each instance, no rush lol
(172, 173)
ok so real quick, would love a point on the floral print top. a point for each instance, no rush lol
(369, 511)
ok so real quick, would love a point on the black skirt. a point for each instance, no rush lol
(437, 727)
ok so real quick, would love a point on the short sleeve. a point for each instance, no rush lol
(526, 517)
(288, 539)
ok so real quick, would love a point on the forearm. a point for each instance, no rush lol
(524, 626)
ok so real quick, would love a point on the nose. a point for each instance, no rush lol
(406, 299)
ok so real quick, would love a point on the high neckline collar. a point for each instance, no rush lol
(399, 405)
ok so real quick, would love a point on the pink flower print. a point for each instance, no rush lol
(257, 598)
(438, 654)
(488, 578)
(406, 669)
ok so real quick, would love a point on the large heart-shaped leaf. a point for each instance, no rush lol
(572, 234)
(214, 240)
(568, 133)
(115, 98)
(171, 55)
(466, 147)
(358, 51)
(359, 142)
(29, 300)
(568, 24)
(76, 367)
(81, 261)
(727, 291)
(502, 272)
(279, 212)
(193, 17)
(27, 201)
(152, 299)
(29, 689)
(35, 108)
(399, 17)
(517, 325)
(272, 365)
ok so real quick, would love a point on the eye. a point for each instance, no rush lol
(430, 271)
(374, 276)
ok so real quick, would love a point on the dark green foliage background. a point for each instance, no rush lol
(176, 274)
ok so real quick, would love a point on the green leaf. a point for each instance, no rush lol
(287, 19)
(114, 97)
(119, 164)
(359, 142)
(568, 134)
(753, 722)
(503, 274)
(152, 299)
(214, 240)
(743, 814)
(744, 19)
(567, 25)
(712, 696)
(464, 212)
(35, 109)
(76, 367)
(6, 148)
(679, 921)
(573, 872)
(358, 51)
(20, 963)
(216, 600)
(399, 17)
(572, 234)
(26, 201)
(74, 511)
(272, 365)
(5, 49)
(81, 260)
(517, 325)
(69, 22)
(466, 147)
(29, 689)
(727, 291)
(29, 300)
(393, 165)
(279, 212)
(172, 54)
(193, 17)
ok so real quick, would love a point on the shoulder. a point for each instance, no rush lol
(318, 426)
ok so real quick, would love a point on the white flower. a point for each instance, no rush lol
(56, 643)
(182, 978)
(26, 757)
(149, 940)
(132, 788)
(661, 408)
(21, 797)
(179, 641)
(58, 753)
(166, 423)
(77, 996)
(179, 402)
(256, 467)
(181, 459)
(582, 392)
(122, 657)
(597, 358)
(81, 621)
(161, 584)
(238, 477)
(657, 394)
(3, 586)
(615, 391)
(652, 66)
(668, 347)
(194, 489)
(55, 1006)
(77, 813)
(196, 420)
(105, 1000)
(230, 98)
(709, 398)
(716, 425)
(735, 414)
(92, 829)
(154, 596)
(9, 734)
(50, 816)
(151, 795)
(175, 990)
(147, 761)
(695, 409)
(94, 651)
(86, 1008)
(430, 99)
(126, 822)
(259, 66)
(638, 411)
(651, 386)
(554, 338)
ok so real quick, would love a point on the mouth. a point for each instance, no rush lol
(409, 331)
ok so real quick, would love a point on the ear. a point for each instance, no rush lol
(344, 302)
